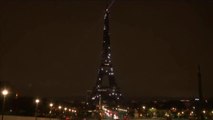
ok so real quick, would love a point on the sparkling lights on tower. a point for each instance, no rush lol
(111, 92)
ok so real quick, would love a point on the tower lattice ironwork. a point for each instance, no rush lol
(107, 93)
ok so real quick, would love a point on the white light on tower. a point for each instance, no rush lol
(197, 99)
(191, 113)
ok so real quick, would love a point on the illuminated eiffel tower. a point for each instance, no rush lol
(106, 93)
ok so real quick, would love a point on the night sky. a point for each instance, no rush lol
(52, 48)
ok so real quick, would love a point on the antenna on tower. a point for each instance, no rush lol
(110, 5)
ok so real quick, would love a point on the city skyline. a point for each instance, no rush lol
(53, 48)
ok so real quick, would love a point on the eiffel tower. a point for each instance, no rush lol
(108, 94)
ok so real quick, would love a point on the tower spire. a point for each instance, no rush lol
(106, 37)
(106, 55)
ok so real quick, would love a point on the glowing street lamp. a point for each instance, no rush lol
(60, 113)
(4, 92)
(59, 107)
(51, 106)
(36, 108)
(144, 107)
(37, 101)
(204, 112)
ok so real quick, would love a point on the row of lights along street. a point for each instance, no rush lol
(52, 107)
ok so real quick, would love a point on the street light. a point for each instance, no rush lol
(36, 108)
(144, 107)
(59, 111)
(51, 105)
(4, 92)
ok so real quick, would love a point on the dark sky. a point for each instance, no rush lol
(53, 47)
